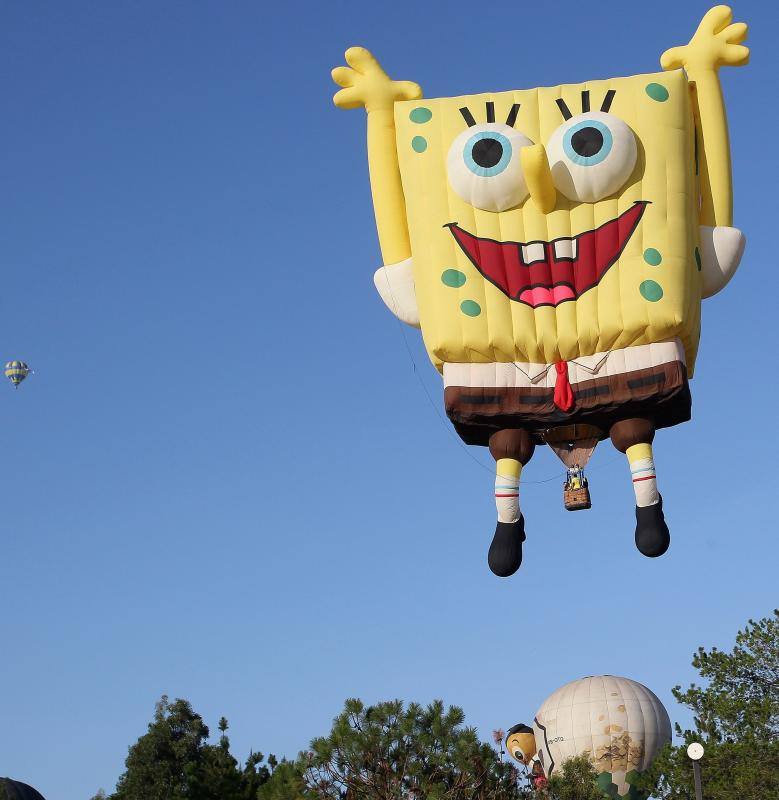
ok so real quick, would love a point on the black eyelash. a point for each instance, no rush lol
(564, 110)
(512, 117)
(585, 101)
(490, 111)
(606, 104)
(468, 117)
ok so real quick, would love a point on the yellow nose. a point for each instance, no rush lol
(535, 166)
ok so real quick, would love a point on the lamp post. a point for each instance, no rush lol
(695, 752)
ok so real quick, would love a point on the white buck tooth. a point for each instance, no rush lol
(565, 248)
(533, 252)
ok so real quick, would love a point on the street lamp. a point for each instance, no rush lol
(695, 752)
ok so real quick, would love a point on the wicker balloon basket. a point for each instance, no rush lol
(577, 499)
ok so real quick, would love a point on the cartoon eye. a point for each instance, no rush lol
(591, 156)
(519, 755)
(484, 168)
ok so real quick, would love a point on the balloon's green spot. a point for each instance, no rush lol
(652, 256)
(419, 143)
(421, 115)
(634, 793)
(657, 92)
(651, 290)
(604, 782)
(698, 259)
(470, 307)
(453, 278)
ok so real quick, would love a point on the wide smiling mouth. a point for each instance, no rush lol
(541, 273)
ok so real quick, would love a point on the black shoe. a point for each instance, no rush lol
(505, 554)
(652, 536)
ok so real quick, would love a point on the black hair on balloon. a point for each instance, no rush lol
(521, 728)
(564, 110)
(467, 116)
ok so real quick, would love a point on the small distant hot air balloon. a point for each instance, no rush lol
(16, 372)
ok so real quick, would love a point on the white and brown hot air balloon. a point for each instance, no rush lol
(619, 723)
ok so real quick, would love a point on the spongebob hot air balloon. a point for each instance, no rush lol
(16, 372)
(554, 246)
(617, 722)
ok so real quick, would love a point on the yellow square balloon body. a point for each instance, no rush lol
(652, 293)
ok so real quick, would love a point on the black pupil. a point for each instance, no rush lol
(587, 141)
(487, 152)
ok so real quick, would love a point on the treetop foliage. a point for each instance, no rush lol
(174, 761)
(736, 718)
(394, 751)
(397, 751)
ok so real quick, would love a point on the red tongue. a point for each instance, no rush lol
(541, 296)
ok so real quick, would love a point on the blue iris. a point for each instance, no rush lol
(588, 142)
(487, 153)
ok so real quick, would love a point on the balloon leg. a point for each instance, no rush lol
(633, 437)
(511, 449)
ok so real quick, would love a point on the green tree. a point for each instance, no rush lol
(285, 783)
(255, 774)
(219, 775)
(173, 760)
(736, 718)
(575, 780)
(164, 763)
(386, 751)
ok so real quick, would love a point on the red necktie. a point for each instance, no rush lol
(563, 394)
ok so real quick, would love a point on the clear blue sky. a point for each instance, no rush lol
(225, 482)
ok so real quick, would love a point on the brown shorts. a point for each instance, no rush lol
(660, 393)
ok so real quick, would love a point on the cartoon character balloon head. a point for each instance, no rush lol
(617, 722)
(521, 743)
(554, 246)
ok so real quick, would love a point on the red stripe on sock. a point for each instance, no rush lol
(648, 478)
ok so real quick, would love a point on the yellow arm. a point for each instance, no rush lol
(366, 84)
(716, 43)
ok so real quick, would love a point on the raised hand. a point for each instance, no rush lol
(716, 43)
(366, 84)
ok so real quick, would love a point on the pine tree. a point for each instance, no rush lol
(285, 783)
(736, 718)
(164, 764)
(220, 777)
(392, 752)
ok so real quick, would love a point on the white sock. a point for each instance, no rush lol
(507, 497)
(644, 482)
